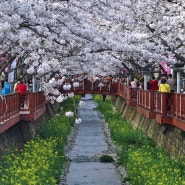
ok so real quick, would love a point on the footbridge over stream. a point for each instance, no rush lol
(165, 108)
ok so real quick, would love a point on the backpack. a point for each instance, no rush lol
(6, 88)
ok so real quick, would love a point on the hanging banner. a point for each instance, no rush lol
(165, 67)
(11, 74)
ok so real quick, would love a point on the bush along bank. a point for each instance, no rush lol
(145, 163)
(41, 160)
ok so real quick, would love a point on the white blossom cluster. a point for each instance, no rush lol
(59, 37)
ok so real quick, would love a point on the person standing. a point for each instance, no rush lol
(15, 85)
(37, 85)
(6, 87)
(109, 78)
(134, 83)
(30, 85)
(171, 82)
(164, 86)
(21, 90)
(154, 84)
(1, 86)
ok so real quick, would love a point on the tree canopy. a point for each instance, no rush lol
(90, 36)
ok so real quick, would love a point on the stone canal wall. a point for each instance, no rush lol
(166, 136)
(22, 132)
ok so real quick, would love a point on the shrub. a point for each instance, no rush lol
(106, 158)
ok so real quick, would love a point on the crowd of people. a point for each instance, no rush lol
(165, 84)
(21, 86)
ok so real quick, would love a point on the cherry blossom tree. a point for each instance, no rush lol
(94, 37)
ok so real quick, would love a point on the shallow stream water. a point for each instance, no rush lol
(89, 143)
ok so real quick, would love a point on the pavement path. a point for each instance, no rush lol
(88, 144)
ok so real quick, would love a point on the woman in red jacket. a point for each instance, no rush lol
(21, 89)
(154, 84)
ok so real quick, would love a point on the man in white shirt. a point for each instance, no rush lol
(171, 82)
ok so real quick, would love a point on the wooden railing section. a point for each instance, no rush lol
(35, 106)
(165, 108)
(11, 113)
(89, 87)
(146, 102)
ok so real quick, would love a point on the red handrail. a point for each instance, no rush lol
(36, 101)
(162, 104)
(179, 105)
(9, 107)
(146, 99)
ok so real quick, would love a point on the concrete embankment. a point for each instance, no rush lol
(166, 136)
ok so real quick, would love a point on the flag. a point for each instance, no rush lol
(11, 74)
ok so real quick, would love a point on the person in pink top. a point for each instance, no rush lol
(134, 83)
(154, 84)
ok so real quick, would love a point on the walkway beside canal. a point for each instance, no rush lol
(87, 142)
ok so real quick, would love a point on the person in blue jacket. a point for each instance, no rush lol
(7, 87)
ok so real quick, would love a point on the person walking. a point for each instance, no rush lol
(21, 90)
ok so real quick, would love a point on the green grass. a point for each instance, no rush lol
(41, 160)
(145, 163)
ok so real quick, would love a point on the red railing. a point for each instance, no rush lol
(90, 87)
(9, 107)
(146, 99)
(11, 112)
(165, 103)
(179, 105)
(165, 108)
(131, 95)
(35, 101)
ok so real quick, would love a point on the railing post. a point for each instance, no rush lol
(151, 100)
(9, 107)
(129, 93)
(180, 106)
(156, 100)
(31, 102)
(138, 97)
(163, 103)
